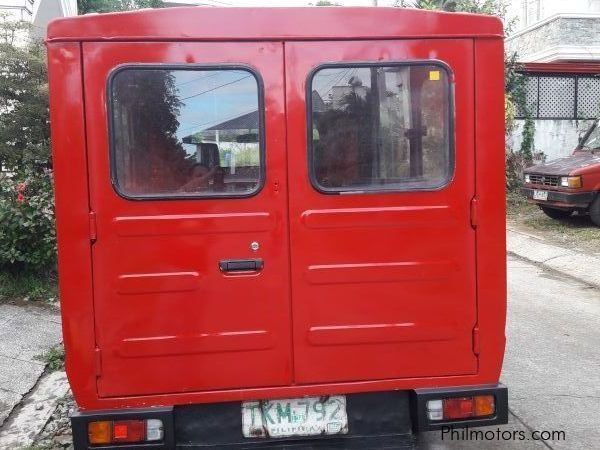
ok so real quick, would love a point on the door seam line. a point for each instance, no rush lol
(289, 222)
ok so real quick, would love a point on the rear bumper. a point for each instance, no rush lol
(375, 420)
(562, 199)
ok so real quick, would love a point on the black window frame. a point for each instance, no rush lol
(191, 67)
(368, 64)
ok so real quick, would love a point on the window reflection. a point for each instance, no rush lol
(380, 127)
(185, 132)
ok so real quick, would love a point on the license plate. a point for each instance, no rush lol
(540, 195)
(295, 417)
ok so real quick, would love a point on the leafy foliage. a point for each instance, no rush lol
(103, 6)
(446, 5)
(27, 235)
(516, 100)
(54, 358)
(492, 7)
(28, 286)
(24, 121)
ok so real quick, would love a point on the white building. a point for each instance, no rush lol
(558, 42)
(38, 12)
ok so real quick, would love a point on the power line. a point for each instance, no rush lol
(338, 80)
(215, 88)
(203, 77)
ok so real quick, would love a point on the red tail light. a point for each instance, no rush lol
(129, 431)
(458, 408)
(461, 407)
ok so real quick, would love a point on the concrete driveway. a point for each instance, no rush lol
(552, 364)
(26, 333)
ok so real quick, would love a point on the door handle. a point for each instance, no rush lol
(241, 265)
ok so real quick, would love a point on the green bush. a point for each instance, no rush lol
(55, 358)
(27, 234)
(28, 286)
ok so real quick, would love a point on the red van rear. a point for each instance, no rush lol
(279, 224)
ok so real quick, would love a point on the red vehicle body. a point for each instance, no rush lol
(569, 184)
(262, 281)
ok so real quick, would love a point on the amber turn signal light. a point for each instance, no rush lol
(571, 182)
(100, 432)
(484, 405)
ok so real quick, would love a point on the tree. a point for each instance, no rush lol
(27, 239)
(103, 6)
(24, 121)
(446, 5)
(493, 7)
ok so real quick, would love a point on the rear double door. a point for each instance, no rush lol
(265, 220)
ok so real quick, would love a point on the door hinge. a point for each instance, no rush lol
(474, 211)
(476, 348)
(93, 228)
(98, 361)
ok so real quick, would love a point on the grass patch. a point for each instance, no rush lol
(54, 358)
(577, 232)
(28, 286)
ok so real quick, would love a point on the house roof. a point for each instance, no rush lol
(247, 121)
(318, 104)
(198, 23)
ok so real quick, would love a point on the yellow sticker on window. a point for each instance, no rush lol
(434, 75)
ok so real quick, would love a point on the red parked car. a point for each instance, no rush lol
(279, 225)
(569, 184)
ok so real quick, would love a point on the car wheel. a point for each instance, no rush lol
(557, 214)
(595, 211)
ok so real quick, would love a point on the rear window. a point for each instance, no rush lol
(185, 132)
(380, 127)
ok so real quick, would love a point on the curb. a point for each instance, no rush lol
(581, 266)
(28, 419)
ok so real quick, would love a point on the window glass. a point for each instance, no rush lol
(380, 128)
(185, 133)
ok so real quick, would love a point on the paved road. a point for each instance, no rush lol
(552, 363)
(26, 333)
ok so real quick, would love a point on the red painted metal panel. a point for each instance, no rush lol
(228, 24)
(169, 346)
(373, 273)
(191, 224)
(491, 206)
(72, 216)
(163, 307)
(143, 283)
